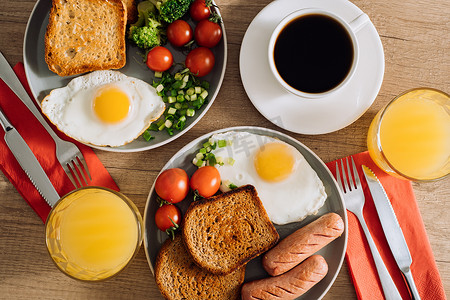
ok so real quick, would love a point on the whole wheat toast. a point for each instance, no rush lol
(178, 277)
(132, 12)
(85, 35)
(226, 231)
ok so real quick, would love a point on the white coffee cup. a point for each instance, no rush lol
(350, 27)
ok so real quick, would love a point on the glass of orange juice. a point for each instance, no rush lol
(410, 137)
(93, 233)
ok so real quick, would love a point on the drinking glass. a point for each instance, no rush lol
(410, 137)
(93, 233)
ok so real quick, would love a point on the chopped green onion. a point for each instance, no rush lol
(232, 186)
(147, 136)
(178, 76)
(204, 94)
(205, 85)
(184, 93)
(160, 122)
(190, 112)
(171, 111)
(222, 143)
(190, 91)
(219, 160)
(199, 163)
(168, 123)
(153, 127)
(159, 88)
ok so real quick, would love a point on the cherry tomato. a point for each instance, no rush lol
(199, 10)
(206, 180)
(172, 185)
(159, 59)
(179, 33)
(200, 61)
(207, 33)
(165, 215)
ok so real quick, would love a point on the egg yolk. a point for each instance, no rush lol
(111, 105)
(274, 162)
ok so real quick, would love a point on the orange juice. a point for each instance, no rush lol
(93, 233)
(410, 138)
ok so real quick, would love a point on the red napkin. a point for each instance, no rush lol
(358, 256)
(43, 148)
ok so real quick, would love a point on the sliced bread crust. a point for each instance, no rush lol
(226, 231)
(178, 277)
(85, 35)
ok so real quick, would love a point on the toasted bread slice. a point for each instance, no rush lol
(226, 231)
(132, 12)
(178, 277)
(85, 35)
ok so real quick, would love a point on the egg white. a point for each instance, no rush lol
(289, 200)
(70, 108)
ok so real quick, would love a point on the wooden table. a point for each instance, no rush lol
(416, 40)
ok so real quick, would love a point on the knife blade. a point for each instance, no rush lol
(391, 228)
(28, 161)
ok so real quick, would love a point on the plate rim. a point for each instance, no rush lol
(205, 136)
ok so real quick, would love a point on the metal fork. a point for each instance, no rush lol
(354, 201)
(67, 153)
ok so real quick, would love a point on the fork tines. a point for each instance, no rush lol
(350, 183)
(78, 172)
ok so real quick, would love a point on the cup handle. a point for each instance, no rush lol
(359, 22)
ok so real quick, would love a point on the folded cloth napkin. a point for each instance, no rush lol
(43, 147)
(358, 256)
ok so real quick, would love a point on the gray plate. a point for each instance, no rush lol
(42, 80)
(333, 253)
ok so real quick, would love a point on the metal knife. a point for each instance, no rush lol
(391, 228)
(28, 161)
(9, 77)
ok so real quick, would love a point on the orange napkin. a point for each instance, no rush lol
(358, 256)
(43, 148)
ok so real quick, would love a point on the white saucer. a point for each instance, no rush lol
(309, 116)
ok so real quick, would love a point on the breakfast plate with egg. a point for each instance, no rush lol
(293, 184)
(129, 123)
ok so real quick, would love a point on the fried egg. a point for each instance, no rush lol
(103, 108)
(287, 185)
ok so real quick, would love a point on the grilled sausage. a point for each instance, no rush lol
(302, 243)
(290, 285)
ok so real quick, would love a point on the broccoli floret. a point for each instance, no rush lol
(144, 37)
(172, 10)
(146, 32)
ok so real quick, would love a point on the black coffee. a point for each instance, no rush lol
(313, 53)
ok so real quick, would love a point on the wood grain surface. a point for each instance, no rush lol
(416, 40)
